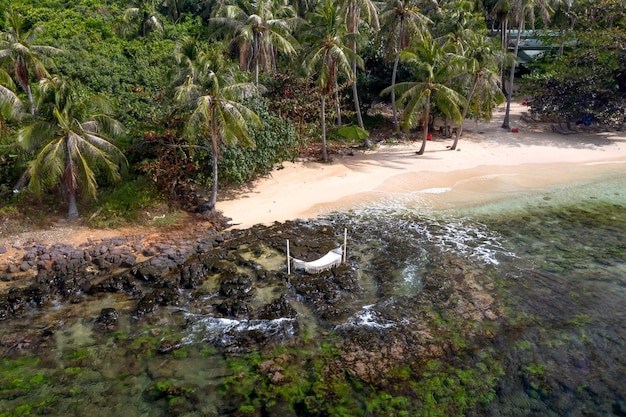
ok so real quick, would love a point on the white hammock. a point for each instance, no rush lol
(331, 259)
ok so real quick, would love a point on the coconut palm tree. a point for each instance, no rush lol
(20, 56)
(10, 104)
(73, 143)
(480, 76)
(433, 63)
(328, 55)
(358, 12)
(11, 107)
(518, 10)
(173, 9)
(144, 13)
(259, 28)
(218, 116)
(401, 23)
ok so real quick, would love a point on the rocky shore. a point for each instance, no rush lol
(229, 290)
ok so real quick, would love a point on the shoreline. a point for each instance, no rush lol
(490, 163)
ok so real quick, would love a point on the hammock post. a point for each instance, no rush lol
(288, 262)
(345, 239)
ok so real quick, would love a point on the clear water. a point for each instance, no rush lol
(557, 258)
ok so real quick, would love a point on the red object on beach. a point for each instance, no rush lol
(515, 130)
(429, 136)
(524, 103)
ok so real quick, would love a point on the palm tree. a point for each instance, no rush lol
(146, 14)
(218, 115)
(433, 63)
(401, 23)
(173, 9)
(481, 63)
(18, 53)
(518, 9)
(10, 103)
(260, 27)
(74, 142)
(11, 107)
(328, 55)
(357, 12)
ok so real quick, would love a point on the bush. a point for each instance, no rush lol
(125, 203)
(275, 142)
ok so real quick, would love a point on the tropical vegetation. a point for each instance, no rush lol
(179, 96)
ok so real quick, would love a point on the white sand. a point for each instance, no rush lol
(490, 163)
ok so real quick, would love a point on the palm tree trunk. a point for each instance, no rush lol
(504, 39)
(324, 151)
(255, 57)
(72, 212)
(215, 152)
(357, 105)
(393, 76)
(213, 198)
(69, 183)
(426, 118)
(355, 93)
(29, 95)
(507, 113)
(459, 131)
(338, 105)
(396, 125)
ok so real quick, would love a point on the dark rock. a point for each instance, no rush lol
(279, 308)
(107, 320)
(128, 261)
(158, 297)
(3, 250)
(117, 283)
(25, 266)
(233, 308)
(192, 274)
(239, 286)
(149, 252)
(37, 294)
(145, 273)
(30, 256)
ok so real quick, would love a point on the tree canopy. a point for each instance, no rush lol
(136, 55)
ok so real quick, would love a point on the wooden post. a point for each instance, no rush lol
(288, 259)
(345, 248)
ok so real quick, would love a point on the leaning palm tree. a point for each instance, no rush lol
(480, 78)
(73, 143)
(218, 116)
(433, 63)
(328, 55)
(20, 56)
(357, 12)
(259, 28)
(401, 24)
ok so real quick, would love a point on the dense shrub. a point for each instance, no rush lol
(275, 142)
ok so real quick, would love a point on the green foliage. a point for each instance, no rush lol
(125, 203)
(275, 142)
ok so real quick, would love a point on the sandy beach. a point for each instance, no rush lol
(489, 163)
